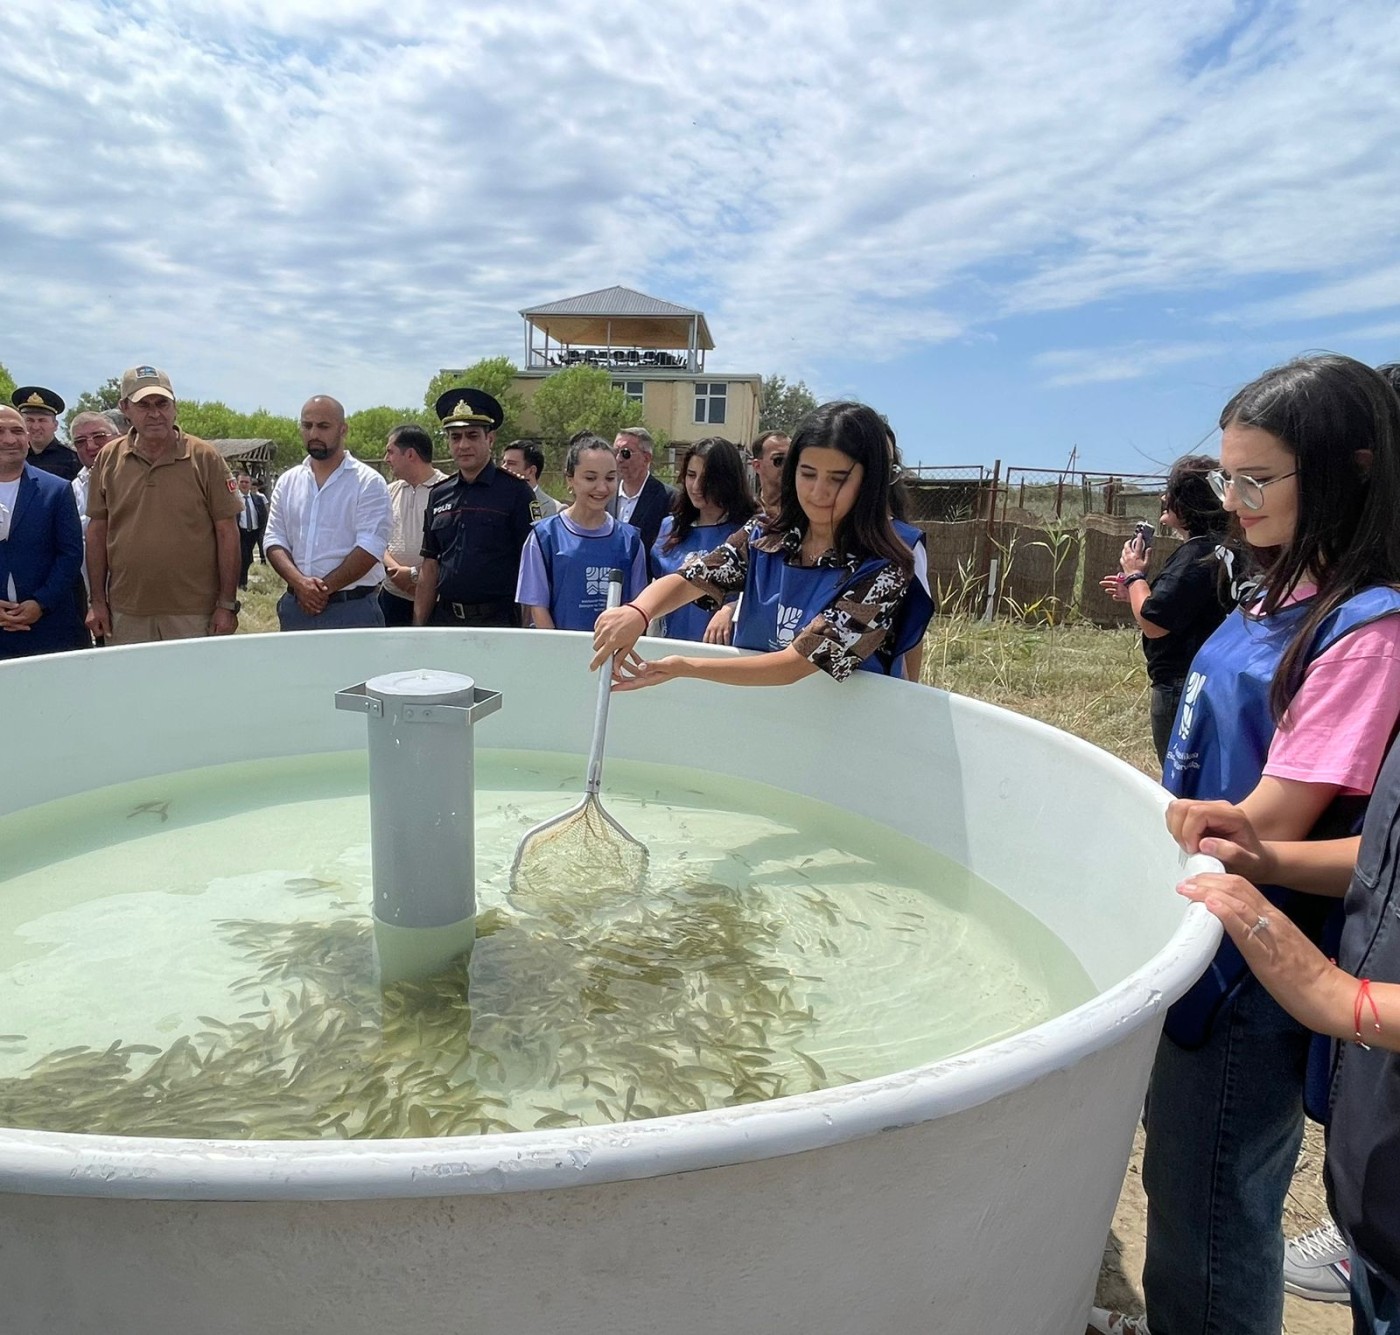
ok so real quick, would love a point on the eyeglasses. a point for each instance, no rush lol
(96, 438)
(1248, 492)
(624, 453)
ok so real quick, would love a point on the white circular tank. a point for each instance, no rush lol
(972, 1194)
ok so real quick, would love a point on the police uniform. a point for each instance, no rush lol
(475, 530)
(56, 458)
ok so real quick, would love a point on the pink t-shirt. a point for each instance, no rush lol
(1339, 725)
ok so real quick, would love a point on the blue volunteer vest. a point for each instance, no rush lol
(1218, 747)
(578, 566)
(1363, 1140)
(918, 608)
(779, 599)
(689, 622)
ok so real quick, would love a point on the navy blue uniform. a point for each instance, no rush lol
(475, 531)
(56, 459)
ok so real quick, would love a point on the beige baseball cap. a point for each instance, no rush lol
(142, 381)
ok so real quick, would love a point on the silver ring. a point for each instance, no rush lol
(1261, 925)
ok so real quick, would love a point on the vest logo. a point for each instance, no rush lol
(789, 623)
(1195, 684)
(596, 580)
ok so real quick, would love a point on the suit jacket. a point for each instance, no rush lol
(43, 555)
(653, 505)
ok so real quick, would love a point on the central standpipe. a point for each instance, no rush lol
(422, 793)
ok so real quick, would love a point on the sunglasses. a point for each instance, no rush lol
(624, 453)
(1248, 492)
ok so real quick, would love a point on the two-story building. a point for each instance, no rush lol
(655, 352)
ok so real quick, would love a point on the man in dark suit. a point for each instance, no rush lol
(252, 523)
(642, 500)
(41, 551)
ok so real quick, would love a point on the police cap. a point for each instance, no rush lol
(469, 407)
(36, 399)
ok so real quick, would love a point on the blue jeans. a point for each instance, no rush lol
(1224, 1123)
(337, 616)
(1375, 1309)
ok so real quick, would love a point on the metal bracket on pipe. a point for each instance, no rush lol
(357, 699)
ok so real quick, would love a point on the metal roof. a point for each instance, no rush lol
(622, 316)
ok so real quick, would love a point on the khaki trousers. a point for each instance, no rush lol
(129, 629)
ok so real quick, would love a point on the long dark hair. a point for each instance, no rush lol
(1189, 496)
(1324, 409)
(861, 435)
(724, 484)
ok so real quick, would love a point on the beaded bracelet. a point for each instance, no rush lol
(1363, 996)
(1133, 578)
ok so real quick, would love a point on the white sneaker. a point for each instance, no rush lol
(1104, 1322)
(1316, 1266)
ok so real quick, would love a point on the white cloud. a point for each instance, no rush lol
(1089, 366)
(275, 196)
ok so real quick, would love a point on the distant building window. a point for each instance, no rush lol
(709, 402)
(632, 388)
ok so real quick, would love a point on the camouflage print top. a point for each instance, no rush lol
(840, 638)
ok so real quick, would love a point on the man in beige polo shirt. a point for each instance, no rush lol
(162, 539)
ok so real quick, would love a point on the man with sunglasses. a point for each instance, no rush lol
(642, 500)
(769, 454)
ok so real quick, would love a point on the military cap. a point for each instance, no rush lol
(469, 407)
(37, 399)
(140, 382)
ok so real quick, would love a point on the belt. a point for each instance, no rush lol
(349, 595)
(464, 611)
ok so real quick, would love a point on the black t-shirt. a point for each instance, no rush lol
(1187, 603)
(475, 531)
(58, 460)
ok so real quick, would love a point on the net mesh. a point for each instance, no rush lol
(583, 851)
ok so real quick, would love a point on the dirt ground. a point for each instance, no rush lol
(1120, 1280)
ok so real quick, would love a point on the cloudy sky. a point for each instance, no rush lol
(1015, 226)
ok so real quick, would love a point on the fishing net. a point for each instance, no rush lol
(583, 852)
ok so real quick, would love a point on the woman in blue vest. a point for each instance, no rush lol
(712, 502)
(1286, 712)
(823, 583)
(565, 564)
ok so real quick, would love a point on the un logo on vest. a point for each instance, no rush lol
(789, 623)
(1195, 683)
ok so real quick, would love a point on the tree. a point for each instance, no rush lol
(494, 375)
(371, 426)
(784, 405)
(582, 398)
(7, 384)
(99, 400)
(213, 420)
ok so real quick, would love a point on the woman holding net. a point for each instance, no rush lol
(823, 584)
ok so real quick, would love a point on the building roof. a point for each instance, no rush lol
(251, 448)
(622, 317)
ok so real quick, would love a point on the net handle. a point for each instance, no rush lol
(600, 716)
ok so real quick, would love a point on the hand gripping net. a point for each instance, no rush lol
(584, 851)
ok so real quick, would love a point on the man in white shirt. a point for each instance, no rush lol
(328, 527)
(525, 458)
(409, 454)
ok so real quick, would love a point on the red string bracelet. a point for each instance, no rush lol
(1363, 996)
(646, 620)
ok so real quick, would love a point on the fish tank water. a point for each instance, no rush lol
(192, 955)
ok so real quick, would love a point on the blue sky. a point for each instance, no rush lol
(1014, 226)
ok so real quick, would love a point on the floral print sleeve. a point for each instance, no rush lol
(720, 573)
(855, 625)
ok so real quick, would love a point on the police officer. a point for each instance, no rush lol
(477, 522)
(40, 408)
